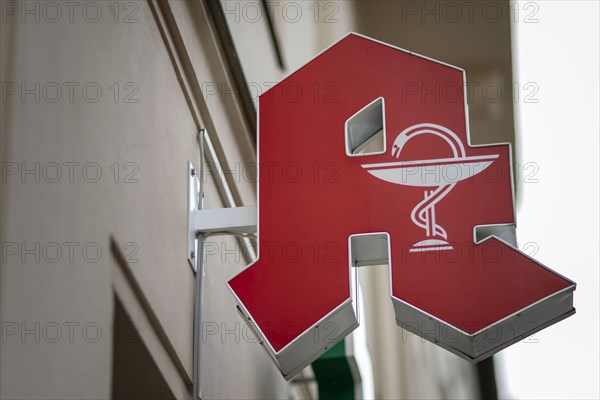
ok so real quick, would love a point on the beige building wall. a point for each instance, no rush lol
(128, 150)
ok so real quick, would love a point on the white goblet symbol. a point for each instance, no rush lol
(441, 174)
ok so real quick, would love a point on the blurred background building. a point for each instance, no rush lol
(101, 107)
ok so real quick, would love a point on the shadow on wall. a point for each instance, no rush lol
(134, 374)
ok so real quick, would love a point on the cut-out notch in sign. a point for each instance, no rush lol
(365, 130)
(442, 208)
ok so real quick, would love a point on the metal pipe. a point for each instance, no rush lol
(198, 316)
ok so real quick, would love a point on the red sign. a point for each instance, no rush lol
(364, 159)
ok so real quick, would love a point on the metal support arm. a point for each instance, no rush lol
(230, 220)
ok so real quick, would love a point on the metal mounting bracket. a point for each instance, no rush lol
(233, 220)
(194, 205)
(202, 222)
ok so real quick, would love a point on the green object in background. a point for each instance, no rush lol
(333, 374)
